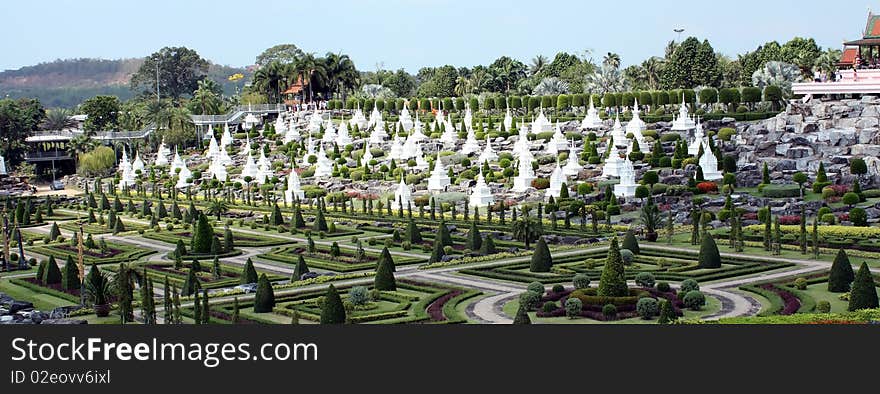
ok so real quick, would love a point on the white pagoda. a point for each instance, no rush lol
(250, 168)
(572, 167)
(683, 122)
(592, 120)
(481, 194)
(280, 125)
(523, 181)
(162, 155)
(137, 164)
(557, 143)
(250, 121)
(709, 164)
(177, 162)
(541, 123)
(402, 196)
(358, 119)
(292, 134)
(421, 163)
(449, 136)
(488, 154)
(405, 118)
(439, 177)
(470, 144)
(217, 170)
(2, 166)
(324, 166)
(395, 152)
(310, 151)
(184, 177)
(124, 164)
(213, 147)
(315, 122)
(417, 134)
(468, 117)
(618, 135)
(294, 190)
(368, 154)
(612, 165)
(375, 118)
(522, 146)
(342, 136)
(226, 137)
(378, 135)
(508, 120)
(636, 126)
(329, 132)
(699, 138)
(627, 186)
(557, 178)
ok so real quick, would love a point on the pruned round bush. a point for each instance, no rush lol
(627, 256)
(573, 307)
(558, 288)
(581, 281)
(645, 279)
(664, 287)
(647, 307)
(688, 285)
(823, 306)
(609, 311)
(549, 307)
(529, 299)
(694, 300)
(535, 287)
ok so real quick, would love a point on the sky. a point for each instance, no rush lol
(410, 34)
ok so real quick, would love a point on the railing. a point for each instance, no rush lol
(47, 155)
(233, 116)
(41, 135)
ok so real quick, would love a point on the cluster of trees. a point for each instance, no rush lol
(283, 65)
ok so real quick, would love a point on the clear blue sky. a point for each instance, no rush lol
(410, 33)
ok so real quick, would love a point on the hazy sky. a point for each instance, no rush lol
(410, 33)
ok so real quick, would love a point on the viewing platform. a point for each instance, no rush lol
(865, 81)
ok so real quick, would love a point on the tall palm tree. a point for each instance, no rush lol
(652, 68)
(58, 119)
(462, 86)
(79, 145)
(218, 207)
(527, 229)
(157, 112)
(612, 60)
(205, 98)
(538, 64)
(270, 79)
(312, 71)
(341, 73)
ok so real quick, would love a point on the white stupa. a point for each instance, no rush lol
(224, 158)
(378, 135)
(251, 121)
(324, 166)
(2, 166)
(359, 120)
(439, 120)
(683, 122)
(226, 138)
(368, 154)
(162, 155)
(709, 164)
(184, 177)
(410, 148)
(636, 126)
(280, 125)
(557, 178)
(128, 175)
(405, 118)
(471, 144)
(592, 120)
(612, 165)
(421, 163)
(292, 134)
(375, 118)
(699, 138)
(618, 135)
(342, 136)
(294, 190)
(468, 117)
(439, 177)
(481, 194)
(124, 164)
(488, 154)
(402, 195)
(522, 145)
(573, 167)
(329, 132)
(250, 168)
(557, 143)
(508, 120)
(217, 170)
(417, 134)
(541, 123)
(137, 164)
(247, 145)
(315, 122)
(213, 148)
(310, 151)
(395, 152)
(627, 186)
(449, 136)
(523, 181)
(177, 162)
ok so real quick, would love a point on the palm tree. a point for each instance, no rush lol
(462, 86)
(218, 208)
(652, 68)
(270, 79)
(58, 119)
(527, 229)
(157, 112)
(612, 60)
(827, 61)
(312, 71)
(341, 73)
(79, 145)
(550, 86)
(605, 79)
(206, 99)
(538, 64)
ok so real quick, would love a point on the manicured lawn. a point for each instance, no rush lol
(712, 306)
(42, 302)
(819, 292)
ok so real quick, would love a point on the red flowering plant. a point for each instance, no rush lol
(707, 187)
(789, 219)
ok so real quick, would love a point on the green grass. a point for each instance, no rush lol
(713, 305)
(819, 292)
(41, 301)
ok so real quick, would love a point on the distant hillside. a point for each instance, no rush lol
(66, 83)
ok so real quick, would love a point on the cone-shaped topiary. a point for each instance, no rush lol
(300, 269)
(248, 273)
(384, 279)
(386, 257)
(630, 242)
(541, 258)
(437, 253)
(474, 239)
(488, 246)
(443, 234)
(298, 220)
(52, 275)
(320, 222)
(841, 275)
(709, 256)
(70, 276)
(264, 299)
(191, 284)
(203, 236)
(413, 235)
(864, 293)
(277, 218)
(522, 317)
(612, 283)
(332, 310)
(667, 312)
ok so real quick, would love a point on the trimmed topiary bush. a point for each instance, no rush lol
(647, 307)
(694, 300)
